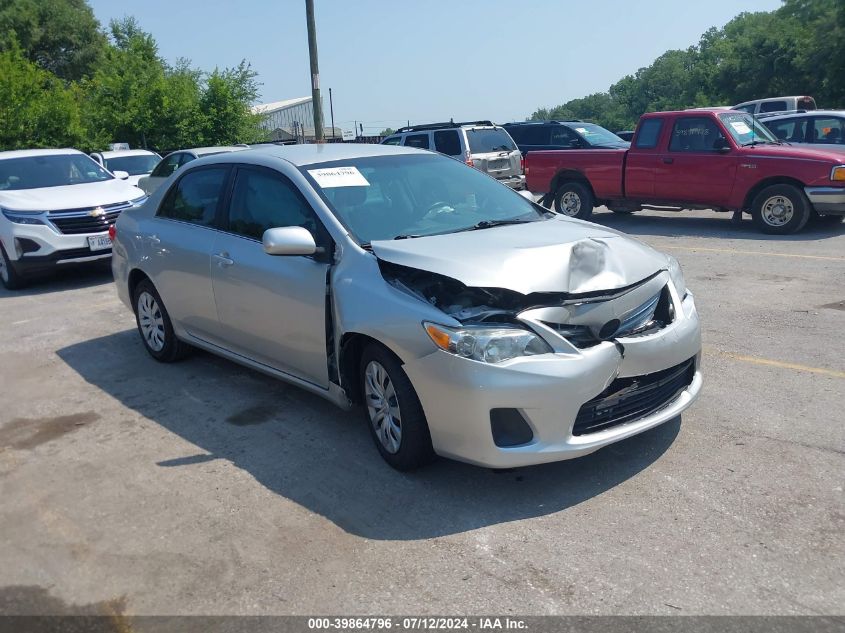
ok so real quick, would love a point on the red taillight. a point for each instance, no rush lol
(522, 164)
(468, 159)
(112, 232)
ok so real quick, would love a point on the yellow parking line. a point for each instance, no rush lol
(775, 363)
(731, 250)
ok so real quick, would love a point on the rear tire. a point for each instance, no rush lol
(8, 274)
(780, 210)
(154, 325)
(574, 200)
(393, 411)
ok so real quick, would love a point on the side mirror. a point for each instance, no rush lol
(289, 240)
(122, 175)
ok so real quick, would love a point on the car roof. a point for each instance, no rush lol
(24, 153)
(555, 121)
(773, 99)
(797, 113)
(202, 151)
(126, 152)
(312, 153)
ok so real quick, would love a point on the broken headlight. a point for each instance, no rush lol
(677, 276)
(487, 344)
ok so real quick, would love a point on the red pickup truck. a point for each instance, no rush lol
(696, 159)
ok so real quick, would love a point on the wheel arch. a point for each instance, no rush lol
(570, 175)
(136, 276)
(352, 345)
(767, 182)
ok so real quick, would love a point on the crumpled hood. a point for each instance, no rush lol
(91, 194)
(555, 255)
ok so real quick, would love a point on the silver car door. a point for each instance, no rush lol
(272, 309)
(179, 241)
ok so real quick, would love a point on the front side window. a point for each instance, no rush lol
(407, 196)
(392, 140)
(263, 200)
(195, 197)
(696, 134)
(167, 166)
(417, 140)
(828, 130)
(448, 142)
(562, 135)
(51, 170)
(791, 130)
(649, 133)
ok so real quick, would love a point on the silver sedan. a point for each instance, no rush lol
(467, 321)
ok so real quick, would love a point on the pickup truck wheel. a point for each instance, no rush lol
(780, 210)
(574, 200)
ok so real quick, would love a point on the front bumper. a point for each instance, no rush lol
(457, 395)
(44, 249)
(827, 200)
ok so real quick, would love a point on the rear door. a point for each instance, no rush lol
(693, 169)
(177, 243)
(493, 151)
(272, 309)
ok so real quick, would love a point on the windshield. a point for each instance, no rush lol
(487, 140)
(745, 129)
(597, 135)
(34, 172)
(405, 196)
(134, 165)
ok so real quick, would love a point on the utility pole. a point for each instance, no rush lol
(315, 72)
(331, 110)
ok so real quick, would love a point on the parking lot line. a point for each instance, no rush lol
(737, 252)
(775, 363)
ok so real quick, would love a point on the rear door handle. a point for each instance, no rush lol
(668, 161)
(223, 260)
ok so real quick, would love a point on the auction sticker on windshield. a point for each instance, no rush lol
(339, 177)
(741, 127)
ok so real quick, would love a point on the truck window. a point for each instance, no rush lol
(695, 134)
(649, 133)
(773, 106)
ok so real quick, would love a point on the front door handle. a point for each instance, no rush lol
(668, 161)
(223, 260)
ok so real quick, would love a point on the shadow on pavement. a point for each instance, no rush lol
(719, 225)
(307, 450)
(63, 279)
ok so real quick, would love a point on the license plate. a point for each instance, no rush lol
(99, 242)
(498, 164)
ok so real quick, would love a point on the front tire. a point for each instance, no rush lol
(780, 210)
(393, 411)
(574, 200)
(8, 274)
(154, 325)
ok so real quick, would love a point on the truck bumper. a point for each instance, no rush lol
(827, 200)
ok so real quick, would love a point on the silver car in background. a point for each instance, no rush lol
(468, 321)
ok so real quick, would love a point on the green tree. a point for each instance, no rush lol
(38, 109)
(60, 36)
(387, 131)
(225, 106)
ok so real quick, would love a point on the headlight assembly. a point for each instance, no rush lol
(23, 217)
(487, 344)
(677, 276)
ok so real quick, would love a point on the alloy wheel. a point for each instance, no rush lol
(383, 406)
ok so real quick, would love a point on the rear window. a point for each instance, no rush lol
(649, 133)
(806, 103)
(773, 106)
(486, 140)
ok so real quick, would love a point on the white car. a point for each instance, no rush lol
(175, 160)
(56, 207)
(135, 162)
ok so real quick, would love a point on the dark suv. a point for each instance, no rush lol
(570, 134)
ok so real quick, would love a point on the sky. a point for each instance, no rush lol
(391, 61)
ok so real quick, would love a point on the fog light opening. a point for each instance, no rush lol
(509, 428)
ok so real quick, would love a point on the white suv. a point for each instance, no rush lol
(480, 144)
(56, 207)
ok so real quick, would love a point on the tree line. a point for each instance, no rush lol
(65, 81)
(797, 49)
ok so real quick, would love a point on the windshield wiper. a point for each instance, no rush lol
(406, 236)
(757, 142)
(486, 224)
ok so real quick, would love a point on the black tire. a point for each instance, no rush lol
(414, 443)
(9, 275)
(172, 349)
(580, 200)
(769, 205)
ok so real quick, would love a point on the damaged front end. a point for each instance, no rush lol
(565, 321)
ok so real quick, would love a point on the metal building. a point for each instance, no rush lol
(291, 120)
